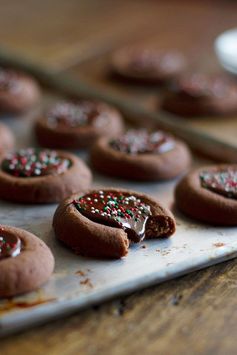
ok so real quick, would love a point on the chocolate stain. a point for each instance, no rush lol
(12, 305)
(80, 273)
(218, 245)
(86, 282)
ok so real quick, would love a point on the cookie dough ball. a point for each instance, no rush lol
(199, 95)
(102, 223)
(209, 194)
(18, 91)
(147, 65)
(7, 140)
(141, 155)
(41, 176)
(26, 262)
(77, 124)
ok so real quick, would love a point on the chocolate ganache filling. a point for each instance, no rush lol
(76, 114)
(223, 182)
(116, 209)
(143, 142)
(10, 246)
(32, 162)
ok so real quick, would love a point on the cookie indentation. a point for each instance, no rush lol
(10, 246)
(116, 209)
(76, 114)
(201, 86)
(33, 162)
(148, 61)
(223, 182)
(142, 142)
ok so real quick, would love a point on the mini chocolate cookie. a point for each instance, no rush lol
(199, 94)
(102, 223)
(141, 155)
(41, 176)
(77, 124)
(25, 261)
(7, 140)
(18, 91)
(147, 65)
(209, 194)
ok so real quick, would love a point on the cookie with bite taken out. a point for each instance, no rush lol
(103, 223)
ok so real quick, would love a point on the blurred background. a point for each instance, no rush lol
(64, 32)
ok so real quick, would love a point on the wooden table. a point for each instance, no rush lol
(195, 314)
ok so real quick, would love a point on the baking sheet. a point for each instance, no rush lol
(79, 282)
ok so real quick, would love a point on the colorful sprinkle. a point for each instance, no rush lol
(117, 209)
(141, 142)
(76, 114)
(198, 85)
(32, 162)
(223, 182)
(150, 60)
(9, 246)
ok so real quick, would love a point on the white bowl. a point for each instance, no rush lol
(226, 50)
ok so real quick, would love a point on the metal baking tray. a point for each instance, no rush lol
(79, 282)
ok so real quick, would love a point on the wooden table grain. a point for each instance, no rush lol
(195, 314)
